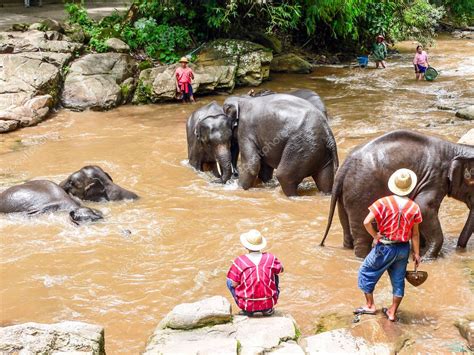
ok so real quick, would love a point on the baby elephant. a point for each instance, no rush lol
(91, 183)
(41, 196)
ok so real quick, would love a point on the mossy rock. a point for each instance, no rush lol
(331, 321)
(268, 40)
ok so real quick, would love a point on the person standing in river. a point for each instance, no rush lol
(420, 62)
(397, 219)
(379, 51)
(184, 77)
(253, 277)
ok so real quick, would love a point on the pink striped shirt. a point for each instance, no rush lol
(394, 223)
(256, 289)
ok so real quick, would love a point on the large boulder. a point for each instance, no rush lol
(238, 335)
(209, 311)
(65, 337)
(38, 41)
(466, 113)
(268, 40)
(251, 60)
(159, 84)
(468, 138)
(27, 114)
(117, 45)
(290, 63)
(94, 80)
(466, 329)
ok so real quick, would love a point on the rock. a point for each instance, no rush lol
(65, 337)
(466, 328)
(8, 125)
(53, 35)
(117, 45)
(209, 311)
(466, 113)
(37, 41)
(75, 33)
(268, 40)
(241, 335)
(94, 80)
(287, 348)
(36, 27)
(463, 34)
(19, 27)
(468, 138)
(28, 114)
(341, 341)
(127, 89)
(52, 25)
(251, 60)
(6, 48)
(158, 84)
(290, 63)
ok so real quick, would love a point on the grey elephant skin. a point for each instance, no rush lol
(305, 94)
(92, 183)
(285, 133)
(443, 169)
(210, 141)
(41, 196)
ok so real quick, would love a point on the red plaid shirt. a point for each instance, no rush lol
(256, 289)
(394, 223)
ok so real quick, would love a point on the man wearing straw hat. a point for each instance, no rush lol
(253, 278)
(397, 219)
(184, 78)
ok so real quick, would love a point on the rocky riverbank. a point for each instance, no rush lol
(209, 327)
(45, 66)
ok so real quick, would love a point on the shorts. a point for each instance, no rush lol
(420, 69)
(390, 257)
(187, 95)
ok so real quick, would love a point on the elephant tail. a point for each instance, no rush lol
(336, 194)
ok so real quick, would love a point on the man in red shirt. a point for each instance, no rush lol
(253, 278)
(397, 220)
(184, 78)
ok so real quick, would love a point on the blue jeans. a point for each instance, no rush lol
(393, 258)
(232, 288)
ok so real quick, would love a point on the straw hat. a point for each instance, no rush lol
(184, 60)
(402, 182)
(253, 240)
(380, 36)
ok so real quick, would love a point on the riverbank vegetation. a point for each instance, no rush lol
(165, 29)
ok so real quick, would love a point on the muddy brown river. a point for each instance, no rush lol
(176, 243)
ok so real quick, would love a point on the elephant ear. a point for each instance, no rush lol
(232, 109)
(460, 172)
(95, 191)
(108, 175)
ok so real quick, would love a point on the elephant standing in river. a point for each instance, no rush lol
(443, 168)
(94, 184)
(41, 196)
(211, 141)
(285, 133)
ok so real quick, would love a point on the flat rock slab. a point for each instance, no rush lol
(249, 335)
(466, 329)
(65, 337)
(209, 311)
(37, 41)
(468, 138)
(466, 113)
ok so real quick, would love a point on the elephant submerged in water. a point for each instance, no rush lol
(443, 169)
(211, 141)
(285, 133)
(94, 184)
(41, 196)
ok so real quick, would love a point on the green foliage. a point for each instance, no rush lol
(420, 20)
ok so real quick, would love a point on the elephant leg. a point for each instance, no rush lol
(250, 166)
(266, 172)
(431, 232)
(287, 179)
(324, 179)
(344, 219)
(362, 239)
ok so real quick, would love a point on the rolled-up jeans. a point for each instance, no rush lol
(232, 288)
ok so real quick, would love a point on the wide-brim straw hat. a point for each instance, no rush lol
(402, 182)
(380, 36)
(253, 240)
(184, 60)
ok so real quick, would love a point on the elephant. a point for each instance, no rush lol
(41, 196)
(91, 183)
(443, 169)
(305, 94)
(285, 133)
(211, 142)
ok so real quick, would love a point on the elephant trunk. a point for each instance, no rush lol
(467, 231)
(223, 162)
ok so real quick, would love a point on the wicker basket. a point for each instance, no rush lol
(416, 278)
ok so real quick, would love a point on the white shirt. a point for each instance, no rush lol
(255, 257)
(401, 201)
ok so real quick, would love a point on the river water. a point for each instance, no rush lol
(176, 243)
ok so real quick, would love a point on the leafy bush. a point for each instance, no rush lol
(420, 20)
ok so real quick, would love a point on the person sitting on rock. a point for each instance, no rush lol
(184, 78)
(253, 277)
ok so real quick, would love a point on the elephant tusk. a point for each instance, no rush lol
(219, 169)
